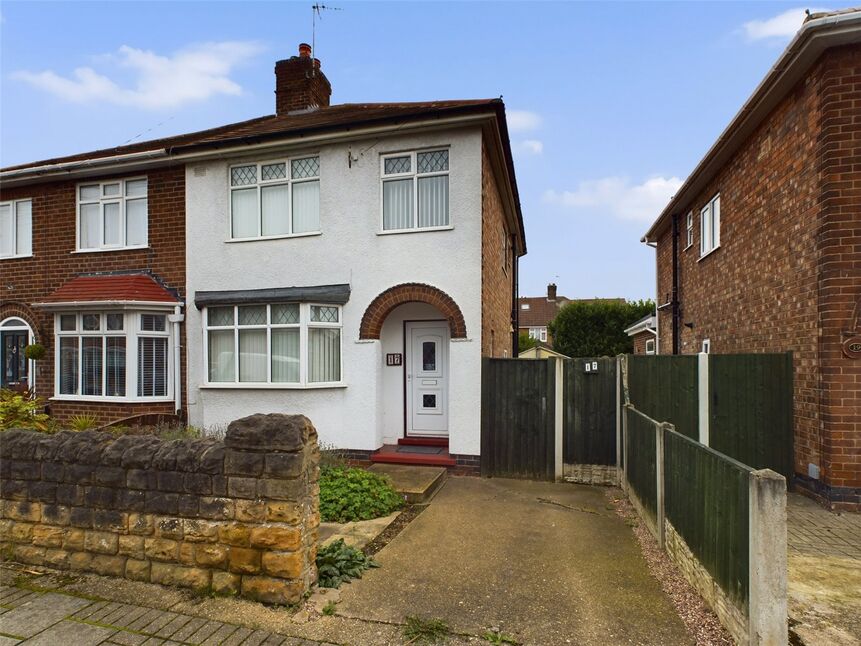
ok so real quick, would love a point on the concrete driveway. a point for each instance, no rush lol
(545, 563)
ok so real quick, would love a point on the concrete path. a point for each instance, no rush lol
(545, 563)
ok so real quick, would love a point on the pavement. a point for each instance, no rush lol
(544, 563)
(824, 558)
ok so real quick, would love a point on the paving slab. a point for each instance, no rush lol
(73, 633)
(416, 484)
(546, 563)
(356, 534)
(35, 616)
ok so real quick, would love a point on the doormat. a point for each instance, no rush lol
(430, 450)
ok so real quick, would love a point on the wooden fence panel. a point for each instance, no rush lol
(706, 499)
(664, 387)
(640, 470)
(750, 409)
(589, 435)
(517, 418)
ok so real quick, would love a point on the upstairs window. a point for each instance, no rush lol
(689, 230)
(275, 199)
(16, 229)
(112, 215)
(415, 190)
(710, 226)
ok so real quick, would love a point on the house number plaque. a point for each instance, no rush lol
(852, 347)
(394, 359)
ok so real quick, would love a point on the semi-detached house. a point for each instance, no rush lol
(349, 262)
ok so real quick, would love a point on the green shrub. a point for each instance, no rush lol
(337, 563)
(349, 493)
(83, 422)
(35, 351)
(20, 411)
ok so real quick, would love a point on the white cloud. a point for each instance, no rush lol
(532, 146)
(783, 26)
(617, 196)
(192, 74)
(522, 120)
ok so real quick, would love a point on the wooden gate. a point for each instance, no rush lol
(589, 432)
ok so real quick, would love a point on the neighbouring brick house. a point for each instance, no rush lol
(760, 249)
(536, 312)
(644, 335)
(351, 262)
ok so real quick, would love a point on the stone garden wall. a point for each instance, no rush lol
(237, 516)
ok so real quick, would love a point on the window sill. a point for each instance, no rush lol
(110, 400)
(21, 257)
(109, 249)
(249, 386)
(688, 247)
(415, 230)
(708, 253)
(279, 237)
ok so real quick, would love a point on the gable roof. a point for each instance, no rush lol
(819, 32)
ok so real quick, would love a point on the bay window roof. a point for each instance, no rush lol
(111, 288)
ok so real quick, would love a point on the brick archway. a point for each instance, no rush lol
(382, 305)
(22, 311)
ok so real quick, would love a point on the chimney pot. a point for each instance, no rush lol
(551, 292)
(300, 84)
(304, 50)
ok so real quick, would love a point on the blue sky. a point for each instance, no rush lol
(611, 105)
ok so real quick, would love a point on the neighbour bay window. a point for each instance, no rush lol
(16, 229)
(112, 215)
(710, 226)
(275, 199)
(282, 344)
(113, 355)
(415, 190)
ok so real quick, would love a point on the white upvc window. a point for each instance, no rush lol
(279, 344)
(113, 356)
(16, 229)
(689, 230)
(113, 215)
(275, 199)
(414, 188)
(710, 226)
(538, 333)
(650, 346)
(506, 251)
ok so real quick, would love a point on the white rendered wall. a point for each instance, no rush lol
(350, 250)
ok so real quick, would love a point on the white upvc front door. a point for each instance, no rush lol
(427, 378)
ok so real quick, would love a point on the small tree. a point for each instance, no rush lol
(524, 342)
(595, 329)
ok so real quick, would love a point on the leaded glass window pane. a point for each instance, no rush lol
(432, 162)
(219, 315)
(307, 167)
(324, 314)
(243, 175)
(90, 322)
(252, 315)
(115, 321)
(285, 314)
(273, 171)
(68, 322)
(395, 165)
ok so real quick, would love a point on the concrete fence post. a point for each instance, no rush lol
(659, 482)
(767, 608)
(558, 417)
(703, 397)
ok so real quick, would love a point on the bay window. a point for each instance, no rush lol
(280, 344)
(275, 199)
(16, 229)
(112, 215)
(113, 355)
(415, 190)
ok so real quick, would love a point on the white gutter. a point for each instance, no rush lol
(138, 160)
(176, 318)
(124, 304)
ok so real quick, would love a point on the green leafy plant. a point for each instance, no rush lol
(428, 631)
(329, 608)
(597, 328)
(83, 422)
(337, 563)
(349, 494)
(21, 411)
(496, 637)
(35, 351)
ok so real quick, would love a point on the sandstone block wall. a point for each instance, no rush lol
(237, 516)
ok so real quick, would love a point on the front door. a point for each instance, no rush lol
(427, 378)
(12, 359)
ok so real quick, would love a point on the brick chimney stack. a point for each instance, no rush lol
(300, 84)
(551, 292)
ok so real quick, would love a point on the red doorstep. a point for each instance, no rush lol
(388, 454)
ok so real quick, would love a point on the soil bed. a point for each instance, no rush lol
(408, 513)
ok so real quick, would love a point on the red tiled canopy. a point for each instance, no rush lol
(114, 288)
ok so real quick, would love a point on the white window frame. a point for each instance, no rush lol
(650, 346)
(286, 181)
(17, 253)
(538, 333)
(710, 226)
(689, 230)
(415, 175)
(9, 324)
(131, 332)
(103, 199)
(506, 251)
(303, 325)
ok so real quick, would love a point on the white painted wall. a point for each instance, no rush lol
(350, 250)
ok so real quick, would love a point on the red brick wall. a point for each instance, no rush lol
(787, 272)
(640, 341)
(496, 283)
(26, 280)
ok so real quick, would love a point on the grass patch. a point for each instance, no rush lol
(425, 631)
(329, 608)
(495, 637)
(338, 563)
(350, 493)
